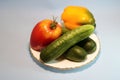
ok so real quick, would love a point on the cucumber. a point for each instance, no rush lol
(76, 53)
(64, 42)
(88, 44)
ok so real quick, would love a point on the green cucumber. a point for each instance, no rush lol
(76, 53)
(88, 44)
(64, 42)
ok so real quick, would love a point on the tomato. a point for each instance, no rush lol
(75, 16)
(44, 33)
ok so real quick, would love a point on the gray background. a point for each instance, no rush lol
(17, 19)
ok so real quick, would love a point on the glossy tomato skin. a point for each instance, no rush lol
(44, 33)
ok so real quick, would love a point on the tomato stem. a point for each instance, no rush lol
(54, 23)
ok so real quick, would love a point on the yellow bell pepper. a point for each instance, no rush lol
(75, 16)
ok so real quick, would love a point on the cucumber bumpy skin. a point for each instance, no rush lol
(64, 42)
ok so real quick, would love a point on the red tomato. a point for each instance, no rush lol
(44, 33)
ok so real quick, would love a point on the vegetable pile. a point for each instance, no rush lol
(69, 39)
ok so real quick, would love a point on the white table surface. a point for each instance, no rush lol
(17, 19)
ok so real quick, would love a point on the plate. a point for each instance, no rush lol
(67, 64)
